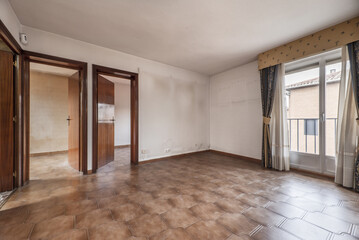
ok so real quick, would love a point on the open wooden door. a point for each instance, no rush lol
(106, 126)
(6, 121)
(73, 121)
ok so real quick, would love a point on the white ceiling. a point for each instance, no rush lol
(38, 67)
(207, 36)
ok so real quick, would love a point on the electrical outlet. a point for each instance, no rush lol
(167, 150)
(144, 151)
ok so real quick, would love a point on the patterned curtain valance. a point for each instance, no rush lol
(327, 39)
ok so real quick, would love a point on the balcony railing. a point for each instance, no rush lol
(305, 138)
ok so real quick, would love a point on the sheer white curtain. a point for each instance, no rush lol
(279, 125)
(347, 128)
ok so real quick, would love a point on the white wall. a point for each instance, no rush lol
(8, 17)
(122, 114)
(173, 102)
(48, 112)
(236, 112)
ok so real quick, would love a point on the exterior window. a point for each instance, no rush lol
(311, 127)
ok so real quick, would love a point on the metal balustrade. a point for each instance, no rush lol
(297, 134)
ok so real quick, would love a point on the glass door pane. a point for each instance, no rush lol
(332, 79)
(302, 96)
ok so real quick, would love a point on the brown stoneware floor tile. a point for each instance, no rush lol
(207, 211)
(305, 230)
(286, 210)
(13, 216)
(277, 197)
(179, 218)
(264, 216)
(253, 200)
(327, 222)
(290, 191)
(137, 238)
(322, 198)
(237, 223)
(231, 205)
(112, 202)
(113, 230)
(306, 204)
(39, 215)
(52, 227)
(81, 207)
(351, 205)
(207, 197)
(343, 214)
(147, 225)
(172, 234)
(75, 234)
(140, 197)
(127, 212)
(344, 237)
(355, 231)
(227, 192)
(183, 201)
(93, 218)
(157, 206)
(273, 233)
(15, 231)
(208, 230)
(165, 193)
(103, 193)
(203, 195)
(241, 237)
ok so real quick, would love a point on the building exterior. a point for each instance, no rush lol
(303, 113)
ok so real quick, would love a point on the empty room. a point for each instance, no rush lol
(202, 119)
(53, 111)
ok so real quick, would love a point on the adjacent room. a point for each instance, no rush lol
(114, 122)
(53, 109)
(179, 120)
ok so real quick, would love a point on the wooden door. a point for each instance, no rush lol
(6, 121)
(106, 126)
(73, 121)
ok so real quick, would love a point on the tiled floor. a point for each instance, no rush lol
(51, 166)
(203, 196)
(56, 166)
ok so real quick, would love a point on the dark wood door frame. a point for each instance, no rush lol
(133, 77)
(58, 62)
(14, 46)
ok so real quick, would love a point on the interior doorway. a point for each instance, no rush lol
(55, 116)
(115, 117)
(54, 121)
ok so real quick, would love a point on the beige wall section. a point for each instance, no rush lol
(48, 112)
(327, 39)
(236, 112)
(122, 114)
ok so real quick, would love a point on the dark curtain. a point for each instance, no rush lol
(353, 50)
(268, 82)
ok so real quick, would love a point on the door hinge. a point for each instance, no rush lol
(14, 119)
(14, 174)
(15, 64)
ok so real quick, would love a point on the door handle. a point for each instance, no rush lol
(322, 117)
(68, 120)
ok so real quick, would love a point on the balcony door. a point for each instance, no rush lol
(312, 91)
